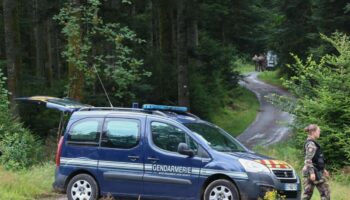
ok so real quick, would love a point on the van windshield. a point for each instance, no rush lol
(217, 138)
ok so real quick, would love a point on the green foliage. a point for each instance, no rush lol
(273, 195)
(211, 77)
(347, 8)
(322, 90)
(239, 112)
(241, 65)
(19, 149)
(290, 24)
(271, 77)
(243, 24)
(88, 35)
(4, 107)
(33, 183)
(295, 27)
(3, 101)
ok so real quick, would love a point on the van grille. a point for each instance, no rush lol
(284, 174)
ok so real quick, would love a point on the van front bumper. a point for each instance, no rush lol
(258, 184)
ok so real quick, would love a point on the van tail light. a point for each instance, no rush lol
(58, 153)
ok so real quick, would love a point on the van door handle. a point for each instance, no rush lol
(134, 158)
(153, 159)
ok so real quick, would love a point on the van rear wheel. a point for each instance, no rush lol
(82, 187)
(221, 189)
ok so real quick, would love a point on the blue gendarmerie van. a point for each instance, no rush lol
(159, 152)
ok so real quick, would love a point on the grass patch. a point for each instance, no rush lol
(271, 77)
(245, 68)
(27, 184)
(239, 113)
(339, 181)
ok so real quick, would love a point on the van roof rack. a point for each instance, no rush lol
(156, 112)
(110, 108)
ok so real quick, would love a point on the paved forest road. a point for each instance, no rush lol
(271, 124)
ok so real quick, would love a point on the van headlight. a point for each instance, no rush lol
(254, 167)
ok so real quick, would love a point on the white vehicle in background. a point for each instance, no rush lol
(272, 60)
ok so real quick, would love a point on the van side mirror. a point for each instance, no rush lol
(185, 150)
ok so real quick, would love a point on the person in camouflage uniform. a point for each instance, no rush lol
(314, 171)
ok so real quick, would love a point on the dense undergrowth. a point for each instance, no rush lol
(19, 148)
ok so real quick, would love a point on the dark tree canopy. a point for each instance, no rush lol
(155, 51)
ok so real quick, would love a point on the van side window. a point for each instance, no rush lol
(121, 133)
(168, 137)
(85, 130)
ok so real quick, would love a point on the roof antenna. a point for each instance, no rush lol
(103, 87)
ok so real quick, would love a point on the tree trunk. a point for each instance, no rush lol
(75, 75)
(2, 39)
(151, 27)
(182, 56)
(155, 26)
(58, 56)
(12, 45)
(165, 28)
(174, 32)
(192, 24)
(223, 35)
(53, 50)
(39, 35)
(166, 69)
(50, 54)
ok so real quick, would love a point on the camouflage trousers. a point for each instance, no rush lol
(321, 185)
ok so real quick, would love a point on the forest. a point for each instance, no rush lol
(143, 49)
(183, 52)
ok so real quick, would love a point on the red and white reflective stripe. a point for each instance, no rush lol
(274, 164)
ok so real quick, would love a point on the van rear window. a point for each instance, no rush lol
(86, 130)
(121, 133)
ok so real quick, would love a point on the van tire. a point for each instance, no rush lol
(85, 185)
(223, 188)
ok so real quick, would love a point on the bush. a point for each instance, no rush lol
(242, 65)
(4, 113)
(19, 149)
(273, 195)
(322, 91)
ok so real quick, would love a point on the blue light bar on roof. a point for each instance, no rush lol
(164, 108)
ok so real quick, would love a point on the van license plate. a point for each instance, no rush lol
(290, 187)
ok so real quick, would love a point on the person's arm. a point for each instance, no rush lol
(325, 173)
(309, 154)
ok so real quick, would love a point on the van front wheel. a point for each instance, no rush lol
(82, 187)
(221, 189)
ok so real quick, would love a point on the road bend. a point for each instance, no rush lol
(271, 124)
